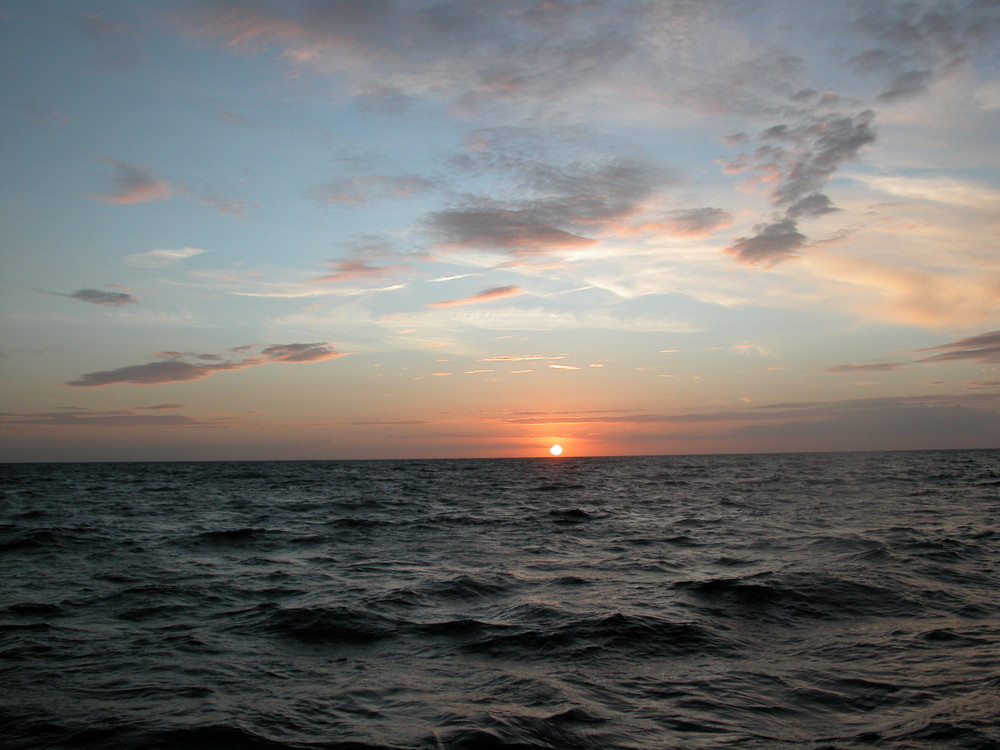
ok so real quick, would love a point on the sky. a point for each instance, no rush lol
(341, 229)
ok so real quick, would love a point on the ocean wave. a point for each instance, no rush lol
(830, 602)
(320, 625)
(615, 635)
(812, 595)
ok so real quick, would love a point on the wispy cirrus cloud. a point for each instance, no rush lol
(358, 190)
(914, 295)
(177, 367)
(486, 295)
(522, 357)
(509, 318)
(161, 258)
(941, 189)
(693, 222)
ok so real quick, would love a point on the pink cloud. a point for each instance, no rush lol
(694, 223)
(134, 183)
(484, 296)
(348, 270)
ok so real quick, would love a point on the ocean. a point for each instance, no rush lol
(820, 601)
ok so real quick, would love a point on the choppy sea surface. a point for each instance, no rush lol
(761, 601)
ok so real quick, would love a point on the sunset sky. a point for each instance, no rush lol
(416, 228)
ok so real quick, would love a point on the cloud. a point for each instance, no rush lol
(162, 258)
(153, 373)
(469, 52)
(820, 147)
(356, 190)
(227, 206)
(798, 161)
(517, 58)
(874, 367)
(930, 298)
(521, 357)
(388, 422)
(810, 413)
(521, 232)
(813, 205)
(134, 183)
(940, 189)
(452, 278)
(697, 222)
(772, 244)
(99, 297)
(178, 367)
(486, 295)
(561, 206)
(983, 348)
(354, 268)
(918, 43)
(977, 384)
(545, 319)
(298, 353)
(115, 419)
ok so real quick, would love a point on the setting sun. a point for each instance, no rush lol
(556, 450)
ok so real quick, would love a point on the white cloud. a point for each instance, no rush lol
(541, 319)
(949, 190)
(162, 258)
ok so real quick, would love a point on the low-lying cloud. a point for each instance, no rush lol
(983, 348)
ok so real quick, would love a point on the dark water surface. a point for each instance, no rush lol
(782, 601)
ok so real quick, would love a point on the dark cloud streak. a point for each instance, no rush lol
(177, 367)
(982, 348)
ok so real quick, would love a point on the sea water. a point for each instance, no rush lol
(760, 601)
